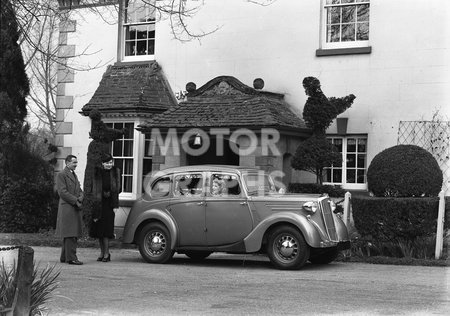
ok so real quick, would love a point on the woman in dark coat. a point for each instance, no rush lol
(105, 190)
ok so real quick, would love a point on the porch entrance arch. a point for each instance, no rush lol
(212, 155)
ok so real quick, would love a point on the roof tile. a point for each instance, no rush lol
(226, 102)
(132, 87)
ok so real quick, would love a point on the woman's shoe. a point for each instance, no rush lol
(100, 258)
(106, 259)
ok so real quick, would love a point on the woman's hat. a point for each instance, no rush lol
(106, 157)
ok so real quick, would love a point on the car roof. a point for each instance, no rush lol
(209, 167)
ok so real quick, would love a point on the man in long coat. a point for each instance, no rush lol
(69, 220)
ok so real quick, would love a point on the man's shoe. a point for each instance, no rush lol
(76, 262)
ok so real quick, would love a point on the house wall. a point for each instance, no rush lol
(93, 43)
(405, 77)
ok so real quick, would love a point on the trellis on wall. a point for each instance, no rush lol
(433, 136)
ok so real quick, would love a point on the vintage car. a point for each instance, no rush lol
(197, 210)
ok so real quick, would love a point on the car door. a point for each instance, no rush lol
(228, 216)
(188, 208)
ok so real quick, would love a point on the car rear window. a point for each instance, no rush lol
(161, 187)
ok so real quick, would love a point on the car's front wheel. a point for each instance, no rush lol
(155, 243)
(287, 249)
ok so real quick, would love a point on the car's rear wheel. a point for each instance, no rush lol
(325, 256)
(155, 243)
(197, 255)
(287, 248)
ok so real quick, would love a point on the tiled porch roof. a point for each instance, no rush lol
(132, 88)
(226, 102)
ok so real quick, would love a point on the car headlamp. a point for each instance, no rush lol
(332, 205)
(310, 207)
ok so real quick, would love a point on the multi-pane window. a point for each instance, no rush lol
(354, 164)
(139, 28)
(346, 22)
(75, 3)
(69, 3)
(122, 151)
(147, 159)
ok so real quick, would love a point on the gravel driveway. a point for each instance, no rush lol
(240, 285)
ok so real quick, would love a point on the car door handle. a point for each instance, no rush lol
(201, 203)
(243, 203)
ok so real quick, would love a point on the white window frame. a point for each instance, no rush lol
(122, 37)
(138, 148)
(147, 154)
(323, 26)
(344, 168)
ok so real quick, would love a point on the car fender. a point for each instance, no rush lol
(312, 236)
(148, 216)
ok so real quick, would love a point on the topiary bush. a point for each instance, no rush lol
(102, 137)
(404, 171)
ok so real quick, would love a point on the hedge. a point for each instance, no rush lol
(387, 219)
(27, 207)
(331, 190)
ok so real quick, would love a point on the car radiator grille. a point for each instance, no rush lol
(328, 219)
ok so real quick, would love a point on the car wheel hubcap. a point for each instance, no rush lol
(156, 243)
(286, 248)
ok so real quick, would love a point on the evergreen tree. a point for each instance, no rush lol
(314, 154)
(13, 78)
(26, 180)
(14, 88)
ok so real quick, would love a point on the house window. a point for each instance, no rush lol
(69, 3)
(345, 23)
(122, 150)
(353, 172)
(147, 160)
(139, 29)
(83, 3)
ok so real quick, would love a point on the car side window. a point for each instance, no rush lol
(224, 185)
(161, 187)
(188, 184)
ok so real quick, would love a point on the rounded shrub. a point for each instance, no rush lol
(404, 171)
